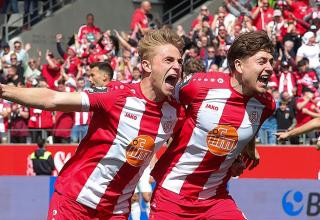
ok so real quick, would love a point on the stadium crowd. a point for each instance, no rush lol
(293, 26)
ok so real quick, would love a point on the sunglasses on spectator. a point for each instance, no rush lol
(13, 58)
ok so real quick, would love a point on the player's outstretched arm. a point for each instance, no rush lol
(309, 126)
(42, 98)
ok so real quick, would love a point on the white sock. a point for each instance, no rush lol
(135, 211)
(148, 208)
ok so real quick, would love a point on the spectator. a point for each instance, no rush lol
(5, 55)
(274, 27)
(246, 24)
(192, 66)
(306, 109)
(262, 14)
(21, 52)
(307, 77)
(223, 38)
(32, 72)
(125, 67)
(299, 8)
(51, 70)
(19, 123)
(63, 121)
(204, 12)
(211, 58)
(203, 31)
(287, 80)
(286, 119)
(139, 21)
(136, 75)
(42, 160)
(88, 31)
(81, 119)
(311, 50)
(5, 112)
(31, 11)
(71, 61)
(13, 4)
(13, 77)
(224, 18)
(40, 121)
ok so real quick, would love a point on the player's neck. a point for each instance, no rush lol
(150, 92)
(236, 84)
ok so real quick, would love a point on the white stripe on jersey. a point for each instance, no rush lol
(169, 115)
(108, 167)
(246, 132)
(197, 146)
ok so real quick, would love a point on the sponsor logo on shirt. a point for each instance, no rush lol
(139, 150)
(222, 140)
(131, 116)
(215, 108)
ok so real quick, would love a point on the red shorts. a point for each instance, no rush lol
(167, 205)
(62, 208)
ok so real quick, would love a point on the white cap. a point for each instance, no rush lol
(277, 12)
(306, 37)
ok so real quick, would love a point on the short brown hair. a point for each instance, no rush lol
(192, 65)
(158, 37)
(104, 67)
(247, 45)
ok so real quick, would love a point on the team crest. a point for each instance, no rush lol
(167, 126)
(253, 117)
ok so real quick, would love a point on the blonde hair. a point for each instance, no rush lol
(158, 37)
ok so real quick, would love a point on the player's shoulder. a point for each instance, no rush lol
(118, 87)
(210, 78)
(266, 99)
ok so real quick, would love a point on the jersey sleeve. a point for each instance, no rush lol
(186, 90)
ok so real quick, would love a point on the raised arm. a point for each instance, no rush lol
(309, 126)
(43, 98)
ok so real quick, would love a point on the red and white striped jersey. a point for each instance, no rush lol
(126, 129)
(219, 123)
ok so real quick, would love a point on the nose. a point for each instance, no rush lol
(177, 67)
(269, 68)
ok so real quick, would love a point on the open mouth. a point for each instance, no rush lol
(264, 79)
(171, 81)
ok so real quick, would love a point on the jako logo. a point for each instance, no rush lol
(293, 204)
(289, 207)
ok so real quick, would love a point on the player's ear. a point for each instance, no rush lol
(146, 66)
(238, 65)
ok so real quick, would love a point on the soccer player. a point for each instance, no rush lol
(307, 127)
(224, 113)
(128, 125)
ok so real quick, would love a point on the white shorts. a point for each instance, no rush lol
(143, 184)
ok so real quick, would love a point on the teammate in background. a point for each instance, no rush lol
(128, 126)
(42, 160)
(100, 75)
(303, 129)
(224, 113)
